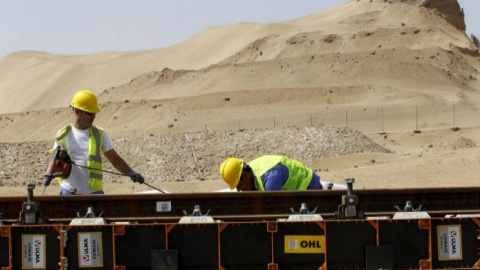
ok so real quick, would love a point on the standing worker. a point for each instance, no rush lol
(84, 143)
(268, 173)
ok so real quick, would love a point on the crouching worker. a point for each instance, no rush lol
(84, 143)
(268, 173)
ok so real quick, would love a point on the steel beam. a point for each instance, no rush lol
(142, 206)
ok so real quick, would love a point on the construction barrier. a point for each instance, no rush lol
(371, 243)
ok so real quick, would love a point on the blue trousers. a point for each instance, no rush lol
(64, 191)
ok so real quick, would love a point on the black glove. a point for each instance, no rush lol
(137, 178)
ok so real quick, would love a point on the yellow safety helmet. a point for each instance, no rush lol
(231, 171)
(85, 100)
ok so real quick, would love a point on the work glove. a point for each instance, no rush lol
(136, 177)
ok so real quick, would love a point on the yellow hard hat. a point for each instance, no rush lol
(85, 100)
(231, 170)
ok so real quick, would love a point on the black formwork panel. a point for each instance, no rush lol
(140, 240)
(90, 247)
(4, 251)
(299, 245)
(454, 243)
(197, 245)
(245, 246)
(409, 242)
(347, 242)
(35, 247)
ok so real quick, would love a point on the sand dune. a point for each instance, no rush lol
(356, 27)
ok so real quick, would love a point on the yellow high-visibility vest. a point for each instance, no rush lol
(299, 176)
(94, 158)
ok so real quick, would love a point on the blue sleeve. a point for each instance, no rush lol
(275, 178)
(315, 183)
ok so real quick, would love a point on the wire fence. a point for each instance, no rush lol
(366, 119)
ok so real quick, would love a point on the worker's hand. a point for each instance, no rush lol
(136, 177)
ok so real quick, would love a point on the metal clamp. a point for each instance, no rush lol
(31, 213)
(89, 218)
(90, 214)
(303, 210)
(63, 234)
(303, 214)
(64, 262)
(409, 212)
(408, 207)
(196, 216)
(196, 211)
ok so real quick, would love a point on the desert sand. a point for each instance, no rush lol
(402, 74)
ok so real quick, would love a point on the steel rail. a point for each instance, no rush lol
(451, 200)
(246, 218)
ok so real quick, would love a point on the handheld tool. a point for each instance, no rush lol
(60, 165)
(115, 173)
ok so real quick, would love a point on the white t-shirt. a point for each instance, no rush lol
(77, 142)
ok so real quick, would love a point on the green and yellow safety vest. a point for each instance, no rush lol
(94, 158)
(299, 177)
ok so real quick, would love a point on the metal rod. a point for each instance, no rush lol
(247, 217)
(416, 117)
(157, 189)
(454, 114)
(382, 120)
(121, 174)
(346, 118)
(101, 170)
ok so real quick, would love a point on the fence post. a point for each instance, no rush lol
(383, 132)
(274, 121)
(416, 117)
(454, 127)
(454, 114)
(416, 120)
(346, 117)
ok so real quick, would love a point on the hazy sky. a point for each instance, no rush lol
(91, 26)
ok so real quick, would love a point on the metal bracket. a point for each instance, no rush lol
(89, 218)
(303, 209)
(31, 213)
(408, 207)
(303, 214)
(196, 211)
(64, 262)
(90, 214)
(348, 208)
(64, 234)
(409, 212)
(196, 216)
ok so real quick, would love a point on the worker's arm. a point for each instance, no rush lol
(120, 164)
(275, 178)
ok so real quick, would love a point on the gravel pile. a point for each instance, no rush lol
(195, 156)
